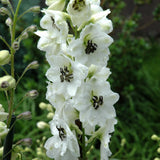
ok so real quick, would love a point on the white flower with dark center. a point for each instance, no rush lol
(66, 75)
(79, 10)
(92, 46)
(63, 144)
(55, 23)
(94, 100)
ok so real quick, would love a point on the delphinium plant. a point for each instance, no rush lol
(76, 41)
(9, 81)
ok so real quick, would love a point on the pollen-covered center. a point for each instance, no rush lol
(62, 133)
(65, 74)
(97, 101)
(78, 5)
(91, 47)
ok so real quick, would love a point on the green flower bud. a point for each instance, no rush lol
(42, 105)
(32, 94)
(154, 137)
(33, 65)
(25, 142)
(4, 11)
(16, 45)
(42, 125)
(9, 22)
(7, 82)
(35, 9)
(158, 150)
(31, 28)
(5, 1)
(4, 57)
(25, 115)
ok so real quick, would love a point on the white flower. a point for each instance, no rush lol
(77, 10)
(100, 18)
(96, 72)
(56, 4)
(66, 75)
(94, 100)
(64, 108)
(105, 138)
(92, 46)
(3, 115)
(55, 23)
(63, 144)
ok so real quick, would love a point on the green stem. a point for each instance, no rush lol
(4, 70)
(83, 156)
(11, 8)
(5, 42)
(25, 12)
(12, 61)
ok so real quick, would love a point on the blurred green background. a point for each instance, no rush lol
(135, 67)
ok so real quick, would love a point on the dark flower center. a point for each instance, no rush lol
(65, 74)
(78, 5)
(97, 101)
(91, 47)
(62, 133)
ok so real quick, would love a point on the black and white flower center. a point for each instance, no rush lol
(78, 5)
(65, 74)
(62, 133)
(54, 24)
(97, 101)
(91, 47)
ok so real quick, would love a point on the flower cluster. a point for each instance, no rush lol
(75, 39)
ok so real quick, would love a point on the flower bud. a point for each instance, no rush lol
(154, 137)
(42, 105)
(7, 82)
(5, 1)
(4, 11)
(156, 158)
(24, 36)
(50, 115)
(9, 21)
(32, 94)
(16, 45)
(25, 142)
(158, 150)
(25, 115)
(1, 151)
(3, 129)
(4, 57)
(31, 28)
(42, 125)
(33, 65)
(123, 142)
(35, 9)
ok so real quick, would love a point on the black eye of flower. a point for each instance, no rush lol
(65, 74)
(97, 101)
(78, 5)
(91, 47)
(62, 133)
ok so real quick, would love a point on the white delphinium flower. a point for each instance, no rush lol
(66, 75)
(77, 9)
(3, 114)
(94, 101)
(55, 23)
(89, 48)
(63, 144)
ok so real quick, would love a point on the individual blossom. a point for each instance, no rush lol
(66, 75)
(3, 114)
(56, 4)
(55, 23)
(89, 48)
(63, 144)
(94, 101)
